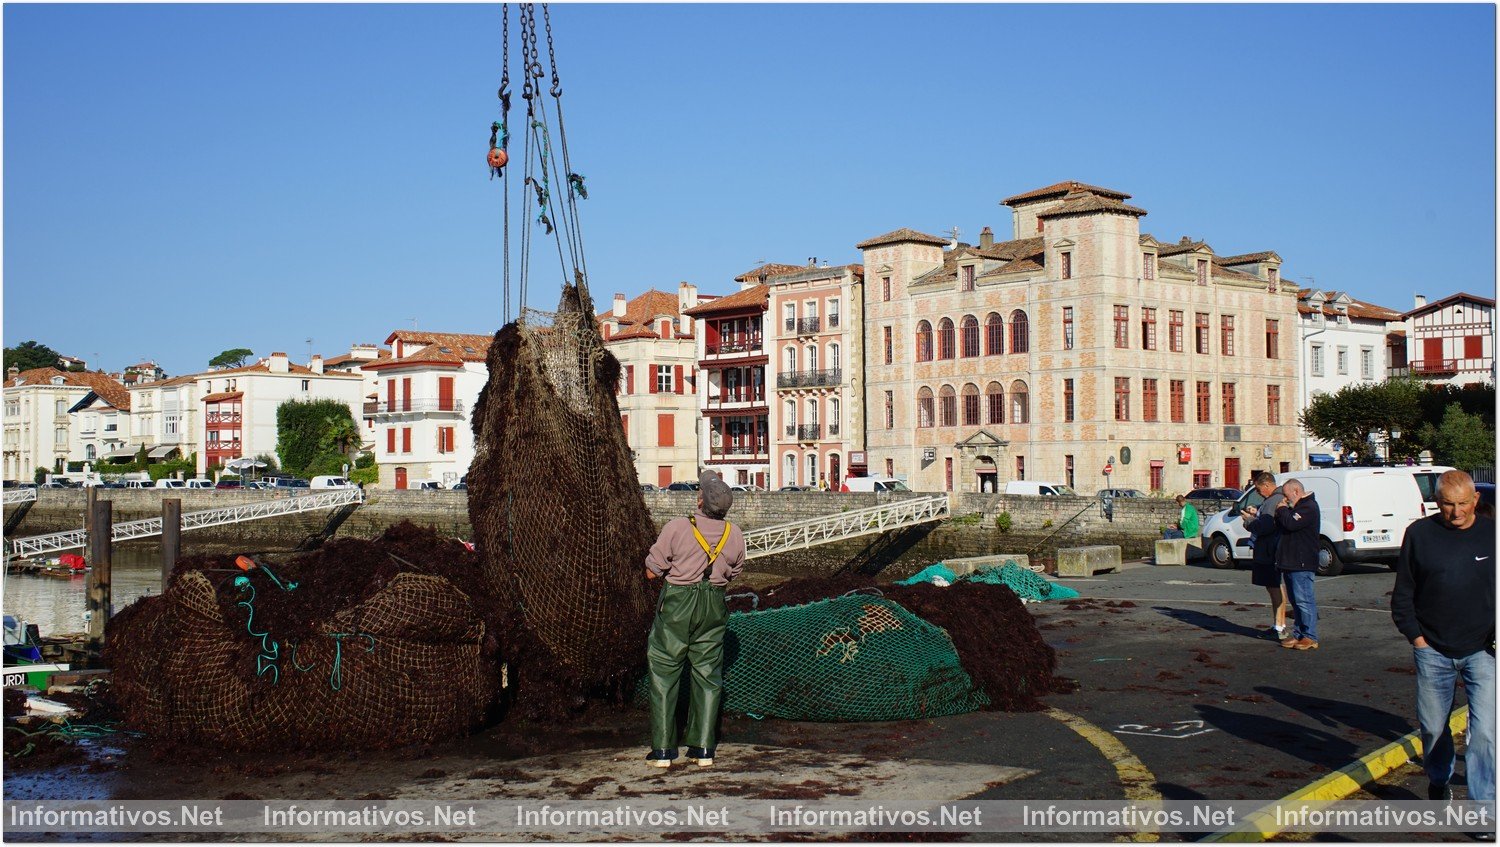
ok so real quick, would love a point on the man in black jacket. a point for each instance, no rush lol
(1444, 603)
(1298, 518)
(1260, 521)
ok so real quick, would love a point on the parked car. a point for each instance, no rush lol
(745, 488)
(428, 485)
(169, 483)
(1486, 493)
(229, 484)
(873, 483)
(1037, 488)
(1226, 494)
(683, 486)
(330, 482)
(60, 482)
(1364, 515)
(462, 486)
(110, 485)
(1111, 493)
(283, 482)
(200, 484)
(646, 486)
(139, 483)
(796, 488)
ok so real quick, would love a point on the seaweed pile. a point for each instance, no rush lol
(359, 644)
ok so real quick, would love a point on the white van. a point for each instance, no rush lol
(198, 484)
(169, 483)
(1039, 489)
(428, 485)
(331, 482)
(139, 483)
(1365, 513)
(874, 483)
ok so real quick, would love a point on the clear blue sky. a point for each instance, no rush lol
(182, 179)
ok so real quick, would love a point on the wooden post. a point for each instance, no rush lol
(91, 496)
(97, 603)
(171, 537)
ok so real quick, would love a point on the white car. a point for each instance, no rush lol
(1364, 515)
(330, 482)
(200, 484)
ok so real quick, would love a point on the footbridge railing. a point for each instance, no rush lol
(798, 535)
(19, 495)
(37, 545)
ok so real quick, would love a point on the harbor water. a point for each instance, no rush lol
(56, 604)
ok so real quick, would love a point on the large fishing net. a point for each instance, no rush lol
(559, 521)
(360, 644)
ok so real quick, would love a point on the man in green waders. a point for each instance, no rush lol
(698, 556)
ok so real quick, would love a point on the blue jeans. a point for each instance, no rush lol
(1436, 675)
(1172, 533)
(1299, 590)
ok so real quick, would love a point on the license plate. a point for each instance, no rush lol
(1379, 538)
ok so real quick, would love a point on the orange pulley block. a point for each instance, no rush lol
(497, 158)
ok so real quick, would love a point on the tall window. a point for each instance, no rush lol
(1067, 318)
(890, 346)
(1226, 335)
(1122, 327)
(1148, 328)
(924, 341)
(885, 288)
(971, 404)
(924, 407)
(812, 357)
(1205, 390)
(833, 312)
(1067, 265)
(945, 339)
(1174, 330)
(1020, 403)
(1178, 400)
(1122, 398)
(1317, 360)
(1021, 460)
(791, 360)
(1227, 392)
(1148, 399)
(1148, 266)
(1200, 335)
(790, 315)
(1273, 404)
(835, 358)
(947, 406)
(890, 410)
(1203, 272)
(1367, 362)
(1020, 336)
(1343, 360)
(664, 379)
(994, 397)
(1067, 400)
(1273, 338)
(971, 336)
(791, 417)
(994, 335)
(1068, 469)
(966, 275)
(1273, 275)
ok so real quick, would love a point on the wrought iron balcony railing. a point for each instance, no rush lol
(809, 379)
(734, 345)
(809, 432)
(386, 407)
(807, 326)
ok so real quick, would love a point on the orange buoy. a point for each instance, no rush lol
(497, 157)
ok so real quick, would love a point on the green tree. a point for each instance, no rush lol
(231, 358)
(29, 355)
(1355, 412)
(1463, 441)
(312, 436)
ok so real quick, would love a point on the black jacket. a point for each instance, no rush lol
(1264, 532)
(1300, 527)
(1445, 586)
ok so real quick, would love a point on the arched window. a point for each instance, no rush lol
(994, 335)
(924, 407)
(833, 415)
(791, 470)
(1020, 403)
(924, 341)
(1020, 336)
(88, 452)
(945, 338)
(812, 469)
(947, 406)
(971, 398)
(812, 357)
(971, 336)
(834, 360)
(791, 360)
(994, 403)
(791, 417)
(812, 412)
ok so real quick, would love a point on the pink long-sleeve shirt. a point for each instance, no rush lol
(679, 557)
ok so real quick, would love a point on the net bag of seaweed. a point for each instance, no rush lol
(353, 646)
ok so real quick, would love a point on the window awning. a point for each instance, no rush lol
(163, 451)
(122, 453)
(1321, 459)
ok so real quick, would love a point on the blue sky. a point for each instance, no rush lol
(181, 179)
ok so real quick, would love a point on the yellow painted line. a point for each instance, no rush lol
(1339, 784)
(1138, 782)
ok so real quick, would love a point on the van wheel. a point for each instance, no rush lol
(1219, 553)
(1329, 563)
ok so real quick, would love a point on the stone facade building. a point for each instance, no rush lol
(38, 423)
(817, 363)
(1080, 343)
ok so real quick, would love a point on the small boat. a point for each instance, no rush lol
(65, 566)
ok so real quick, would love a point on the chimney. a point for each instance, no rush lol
(13, 372)
(277, 363)
(986, 238)
(619, 310)
(687, 298)
(1421, 300)
(316, 365)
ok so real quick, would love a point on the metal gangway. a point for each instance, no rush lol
(802, 534)
(19, 495)
(37, 545)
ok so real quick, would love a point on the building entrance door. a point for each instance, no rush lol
(663, 476)
(400, 479)
(833, 472)
(1232, 473)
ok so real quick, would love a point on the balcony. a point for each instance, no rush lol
(223, 446)
(833, 429)
(736, 398)
(1434, 366)
(833, 321)
(809, 432)
(810, 379)
(221, 417)
(738, 453)
(421, 406)
(808, 326)
(730, 346)
(791, 430)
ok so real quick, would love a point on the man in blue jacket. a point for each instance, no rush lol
(1298, 518)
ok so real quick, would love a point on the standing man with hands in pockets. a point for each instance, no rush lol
(1444, 603)
(1298, 518)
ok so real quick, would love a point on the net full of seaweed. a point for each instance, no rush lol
(360, 644)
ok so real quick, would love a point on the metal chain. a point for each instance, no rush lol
(551, 56)
(504, 95)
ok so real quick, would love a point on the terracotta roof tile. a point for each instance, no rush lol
(455, 340)
(1060, 189)
(1027, 264)
(222, 395)
(1083, 203)
(754, 297)
(437, 354)
(635, 331)
(349, 357)
(1231, 273)
(1248, 258)
(1451, 298)
(1183, 247)
(110, 389)
(1014, 249)
(1357, 308)
(901, 235)
(767, 271)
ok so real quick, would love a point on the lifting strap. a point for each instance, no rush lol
(714, 551)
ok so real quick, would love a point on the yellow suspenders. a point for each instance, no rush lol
(714, 551)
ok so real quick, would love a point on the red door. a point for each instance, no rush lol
(1232, 473)
(1432, 353)
(663, 476)
(948, 474)
(400, 479)
(445, 393)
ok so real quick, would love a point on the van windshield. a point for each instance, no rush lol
(894, 485)
(1065, 491)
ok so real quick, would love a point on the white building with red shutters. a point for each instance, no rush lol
(654, 340)
(1451, 340)
(425, 393)
(817, 363)
(1341, 342)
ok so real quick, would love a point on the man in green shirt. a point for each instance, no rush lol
(1187, 525)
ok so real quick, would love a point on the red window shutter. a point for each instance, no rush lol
(406, 439)
(625, 424)
(677, 377)
(651, 378)
(445, 393)
(390, 395)
(448, 433)
(406, 394)
(390, 438)
(630, 379)
(666, 431)
(1473, 347)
